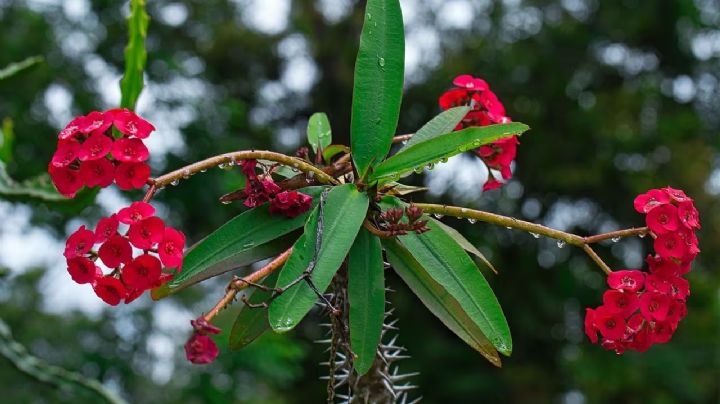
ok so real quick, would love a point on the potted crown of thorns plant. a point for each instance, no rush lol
(331, 220)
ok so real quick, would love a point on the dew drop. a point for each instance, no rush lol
(381, 61)
(418, 170)
(615, 239)
(404, 142)
(560, 244)
(226, 202)
(535, 235)
(369, 16)
(186, 174)
(431, 166)
(175, 183)
(231, 163)
(438, 215)
(472, 220)
(203, 170)
(444, 160)
(221, 166)
(248, 245)
(508, 227)
(642, 235)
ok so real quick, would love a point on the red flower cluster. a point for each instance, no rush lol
(642, 309)
(200, 349)
(88, 155)
(258, 191)
(130, 276)
(486, 110)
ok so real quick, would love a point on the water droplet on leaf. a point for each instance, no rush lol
(381, 61)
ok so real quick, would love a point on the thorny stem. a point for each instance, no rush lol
(236, 285)
(194, 168)
(511, 222)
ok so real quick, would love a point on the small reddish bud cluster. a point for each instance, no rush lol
(162, 246)
(642, 309)
(258, 191)
(486, 110)
(390, 220)
(88, 155)
(200, 349)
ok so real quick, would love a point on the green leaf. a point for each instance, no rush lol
(366, 293)
(442, 147)
(319, 132)
(231, 246)
(250, 322)
(438, 300)
(38, 188)
(465, 244)
(448, 264)
(333, 150)
(7, 139)
(377, 91)
(238, 260)
(443, 123)
(344, 213)
(131, 84)
(15, 68)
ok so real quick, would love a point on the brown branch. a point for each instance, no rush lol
(596, 258)
(231, 158)
(236, 285)
(402, 138)
(635, 231)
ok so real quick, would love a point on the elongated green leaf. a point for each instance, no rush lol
(15, 68)
(443, 146)
(443, 123)
(250, 322)
(225, 248)
(448, 264)
(343, 214)
(238, 260)
(366, 292)
(319, 132)
(377, 93)
(438, 300)
(464, 243)
(131, 84)
(396, 188)
(39, 188)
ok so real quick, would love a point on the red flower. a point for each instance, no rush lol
(611, 325)
(627, 280)
(679, 288)
(110, 290)
(654, 306)
(201, 349)
(95, 122)
(136, 212)
(259, 192)
(146, 233)
(663, 219)
(677, 195)
(689, 216)
(171, 248)
(142, 273)
(131, 175)
(642, 339)
(290, 203)
(663, 267)
(248, 168)
(671, 245)
(492, 104)
(66, 180)
(115, 251)
(82, 270)
(491, 184)
(454, 98)
(71, 129)
(130, 150)
(97, 173)
(65, 154)
(655, 283)
(652, 198)
(620, 302)
(79, 243)
(662, 332)
(129, 123)
(676, 312)
(95, 147)
(471, 83)
(590, 329)
(105, 228)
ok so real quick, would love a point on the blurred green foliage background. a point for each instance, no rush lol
(621, 96)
